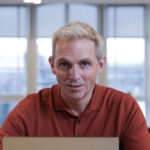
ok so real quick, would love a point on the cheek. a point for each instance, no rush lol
(90, 77)
(61, 76)
(91, 74)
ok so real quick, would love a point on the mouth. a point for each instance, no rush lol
(75, 87)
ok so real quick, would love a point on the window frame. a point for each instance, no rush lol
(146, 97)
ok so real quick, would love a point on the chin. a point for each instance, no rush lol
(76, 96)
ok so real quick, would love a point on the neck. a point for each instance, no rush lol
(77, 106)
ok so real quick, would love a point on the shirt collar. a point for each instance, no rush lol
(94, 104)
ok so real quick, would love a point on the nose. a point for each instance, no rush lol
(74, 72)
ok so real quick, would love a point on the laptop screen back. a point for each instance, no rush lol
(60, 143)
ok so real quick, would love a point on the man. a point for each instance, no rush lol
(77, 106)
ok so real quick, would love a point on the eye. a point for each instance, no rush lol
(85, 64)
(63, 65)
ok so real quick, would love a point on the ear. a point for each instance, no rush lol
(51, 62)
(101, 65)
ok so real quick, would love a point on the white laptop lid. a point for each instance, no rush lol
(60, 143)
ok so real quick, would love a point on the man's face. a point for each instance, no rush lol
(76, 67)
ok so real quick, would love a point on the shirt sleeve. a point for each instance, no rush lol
(18, 121)
(10, 128)
(136, 135)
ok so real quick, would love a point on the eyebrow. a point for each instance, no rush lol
(64, 59)
(85, 60)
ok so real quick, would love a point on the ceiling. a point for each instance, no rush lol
(20, 2)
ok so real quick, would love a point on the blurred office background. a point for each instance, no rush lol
(25, 45)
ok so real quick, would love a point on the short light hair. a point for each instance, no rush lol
(78, 30)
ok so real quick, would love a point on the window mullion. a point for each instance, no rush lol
(31, 52)
(147, 62)
(102, 79)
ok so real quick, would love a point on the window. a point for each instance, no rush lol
(12, 66)
(85, 13)
(47, 24)
(5, 108)
(125, 44)
(13, 50)
(126, 66)
(45, 77)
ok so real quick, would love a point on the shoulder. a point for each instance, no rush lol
(35, 98)
(28, 111)
(109, 91)
(122, 105)
(34, 102)
(113, 97)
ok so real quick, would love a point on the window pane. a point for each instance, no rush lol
(125, 21)
(49, 19)
(125, 58)
(12, 66)
(85, 13)
(45, 77)
(12, 21)
(5, 108)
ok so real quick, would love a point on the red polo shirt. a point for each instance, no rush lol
(111, 113)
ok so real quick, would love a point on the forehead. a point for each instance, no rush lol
(75, 49)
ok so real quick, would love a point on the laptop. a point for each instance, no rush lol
(60, 143)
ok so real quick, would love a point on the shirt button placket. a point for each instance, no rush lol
(77, 128)
(78, 121)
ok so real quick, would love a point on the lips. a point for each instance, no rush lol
(75, 87)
